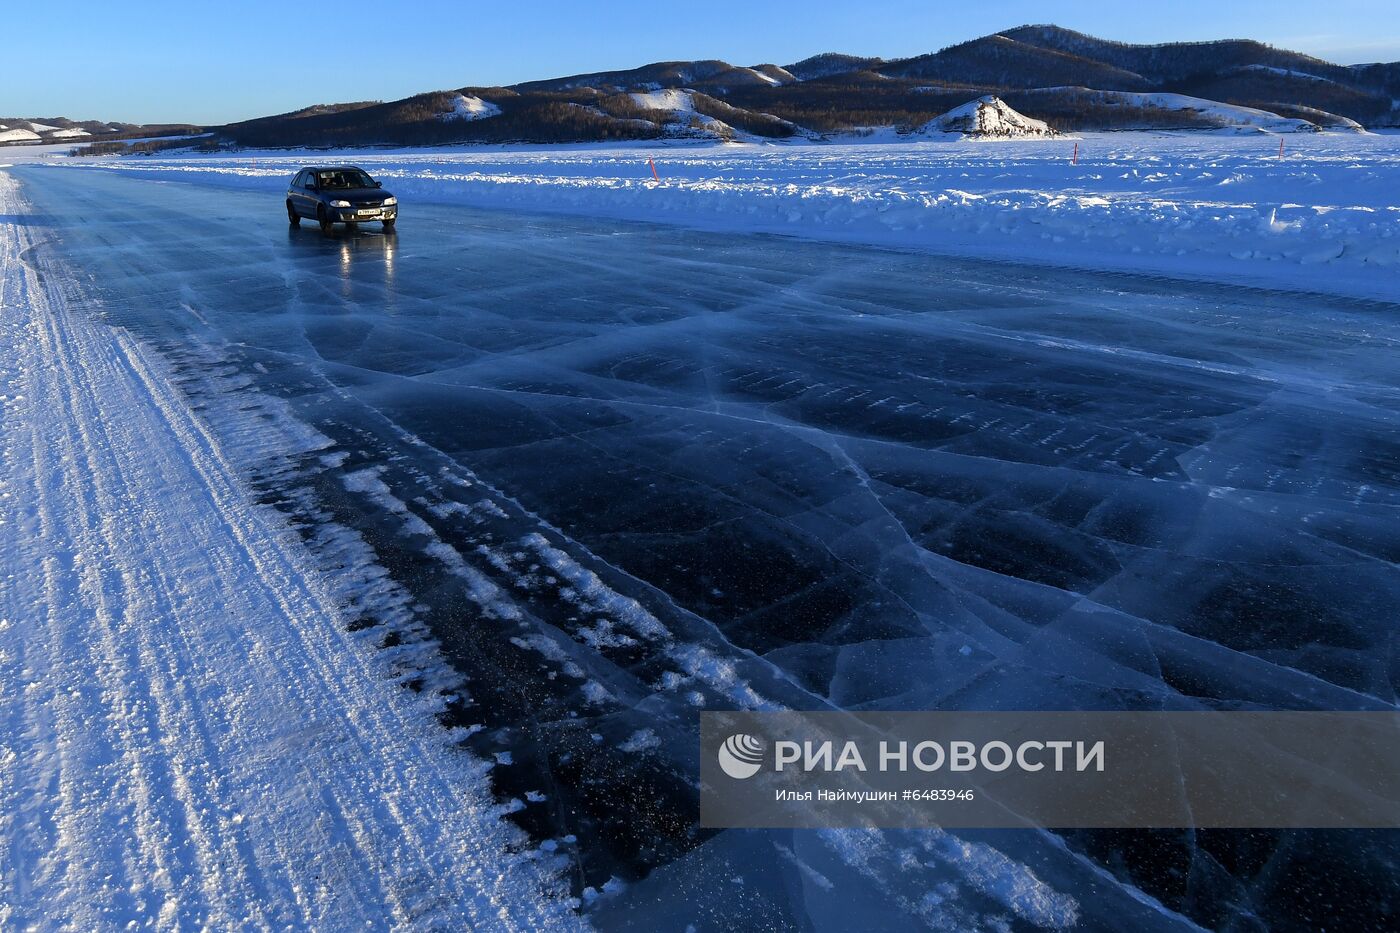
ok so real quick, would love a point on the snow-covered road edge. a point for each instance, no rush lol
(1322, 218)
(188, 733)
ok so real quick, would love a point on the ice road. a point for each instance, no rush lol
(570, 481)
(189, 738)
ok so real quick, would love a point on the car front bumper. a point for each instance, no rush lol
(352, 214)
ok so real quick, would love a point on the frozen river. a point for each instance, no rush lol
(622, 472)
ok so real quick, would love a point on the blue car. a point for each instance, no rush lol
(339, 194)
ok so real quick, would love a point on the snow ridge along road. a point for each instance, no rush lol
(1223, 207)
(188, 733)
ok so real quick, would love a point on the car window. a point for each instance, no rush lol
(299, 181)
(344, 178)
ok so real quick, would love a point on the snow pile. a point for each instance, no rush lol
(988, 117)
(1161, 202)
(71, 133)
(471, 108)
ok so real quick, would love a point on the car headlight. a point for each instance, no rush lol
(340, 204)
(388, 202)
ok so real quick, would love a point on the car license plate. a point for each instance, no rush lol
(369, 213)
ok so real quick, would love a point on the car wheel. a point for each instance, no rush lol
(324, 219)
(293, 217)
(389, 224)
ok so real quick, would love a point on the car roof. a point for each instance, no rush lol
(331, 168)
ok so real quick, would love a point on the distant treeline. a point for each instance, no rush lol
(144, 146)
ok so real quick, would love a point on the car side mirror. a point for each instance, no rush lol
(310, 186)
(379, 184)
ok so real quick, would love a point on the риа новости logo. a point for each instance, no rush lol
(741, 756)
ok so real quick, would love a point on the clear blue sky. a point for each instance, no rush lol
(166, 61)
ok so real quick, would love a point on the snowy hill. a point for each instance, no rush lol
(998, 61)
(1227, 116)
(1064, 79)
(655, 75)
(830, 63)
(988, 118)
(1181, 111)
(65, 129)
(1069, 81)
(1174, 61)
(28, 130)
(686, 113)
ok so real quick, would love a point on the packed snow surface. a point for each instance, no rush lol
(1323, 215)
(989, 117)
(471, 108)
(190, 738)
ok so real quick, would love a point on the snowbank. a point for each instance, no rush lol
(1324, 216)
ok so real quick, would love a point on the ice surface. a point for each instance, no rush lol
(628, 471)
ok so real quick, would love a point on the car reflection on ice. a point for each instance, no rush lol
(359, 252)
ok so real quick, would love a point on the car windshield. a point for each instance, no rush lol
(344, 178)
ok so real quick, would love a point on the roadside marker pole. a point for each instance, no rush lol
(653, 170)
(1280, 147)
(1074, 160)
